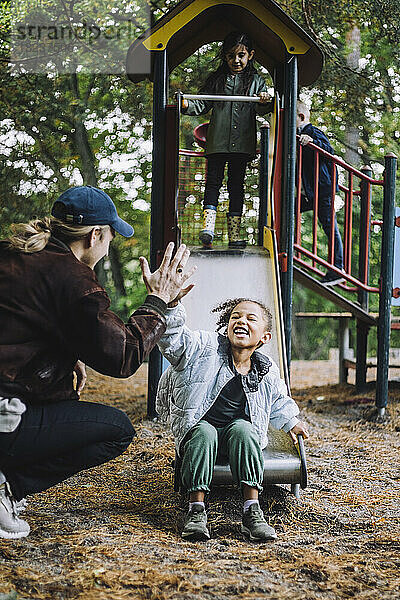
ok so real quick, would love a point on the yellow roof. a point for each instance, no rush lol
(193, 23)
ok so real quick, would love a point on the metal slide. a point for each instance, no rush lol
(224, 274)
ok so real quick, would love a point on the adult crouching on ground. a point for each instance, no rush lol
(54, 319)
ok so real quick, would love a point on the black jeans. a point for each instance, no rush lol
(55, 441)
(215, 174)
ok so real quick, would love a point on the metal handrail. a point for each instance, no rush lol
(339, 161)
(219, 98)
(361, 282)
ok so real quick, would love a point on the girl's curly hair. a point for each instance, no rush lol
(226, 308)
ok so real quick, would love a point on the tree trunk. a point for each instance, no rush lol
(88, 169)
(353, 40)
(116, 270)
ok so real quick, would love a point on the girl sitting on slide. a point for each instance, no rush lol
(219, 395)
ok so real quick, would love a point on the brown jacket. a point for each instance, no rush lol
(53, 311)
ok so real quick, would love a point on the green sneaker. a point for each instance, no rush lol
(195, 527)
(255, 527)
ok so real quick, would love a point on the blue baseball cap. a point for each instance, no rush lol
(87, 205)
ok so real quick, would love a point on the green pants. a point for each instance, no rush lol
(237, 441)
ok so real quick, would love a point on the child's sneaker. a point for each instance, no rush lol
(331, 278)
(11, 526)
(255, 527)
(195, 526)
(207, 233)
(206, 238)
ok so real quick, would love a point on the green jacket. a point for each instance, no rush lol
(232, 125)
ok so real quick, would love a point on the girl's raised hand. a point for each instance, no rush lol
(265, 97)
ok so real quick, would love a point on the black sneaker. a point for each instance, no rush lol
(255, 527)
(331, 278)
(195, 525)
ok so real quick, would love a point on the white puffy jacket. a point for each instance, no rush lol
(198, 372)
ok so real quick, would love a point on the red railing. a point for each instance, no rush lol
(311, 258)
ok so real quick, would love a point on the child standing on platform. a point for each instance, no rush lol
(218, 396)
(231, 134)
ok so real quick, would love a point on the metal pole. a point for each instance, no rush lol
(344, 346)
(363, 275)
(385, 297)
(216, 98)
(289, 182)
(263, 182)
(160, 97)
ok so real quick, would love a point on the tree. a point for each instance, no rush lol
(71, 126)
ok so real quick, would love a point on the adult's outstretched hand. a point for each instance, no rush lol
(168, 280)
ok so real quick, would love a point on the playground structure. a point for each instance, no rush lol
(293, 59)
(356, 189)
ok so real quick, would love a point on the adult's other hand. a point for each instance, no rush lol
(168, 280)
(81, 376)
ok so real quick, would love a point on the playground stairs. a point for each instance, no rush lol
(314, 285)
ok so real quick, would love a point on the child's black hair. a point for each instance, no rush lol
(215, 82)
(226, 308)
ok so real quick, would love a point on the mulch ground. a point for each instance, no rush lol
(113, 532)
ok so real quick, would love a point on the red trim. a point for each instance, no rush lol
(282, 257)
(316, 201)
(298, 199)
(331, 243)
(277, 187)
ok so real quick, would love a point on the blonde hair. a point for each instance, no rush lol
(302, 107)
(33, 236)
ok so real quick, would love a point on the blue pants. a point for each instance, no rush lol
(55, 441)
(324, 217)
